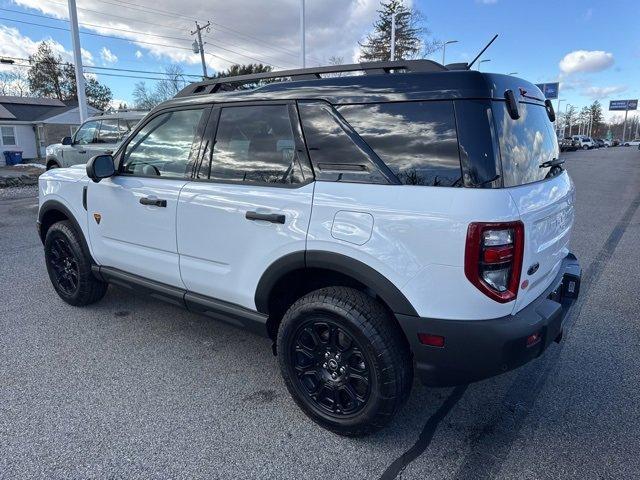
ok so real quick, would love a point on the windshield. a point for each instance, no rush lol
(525, 143)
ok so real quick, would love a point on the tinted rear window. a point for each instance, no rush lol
(416, 140)
(525, 143)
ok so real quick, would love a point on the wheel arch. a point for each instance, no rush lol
(51, 161)
(298, 273)
(53, 211)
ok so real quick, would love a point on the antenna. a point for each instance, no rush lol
(482, 51)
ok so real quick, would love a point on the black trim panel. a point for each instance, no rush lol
(336, 262)
(218, 309)
(56, 205)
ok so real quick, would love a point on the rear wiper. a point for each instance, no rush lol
(554, 162)
(482, 184)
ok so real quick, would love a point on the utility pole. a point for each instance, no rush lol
(303, 47)
(198, 46)
(77, 60)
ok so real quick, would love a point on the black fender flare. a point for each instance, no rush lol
(56, 205)
(339, 263)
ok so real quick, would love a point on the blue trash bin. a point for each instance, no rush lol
(12, 158)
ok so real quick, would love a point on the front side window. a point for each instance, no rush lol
(86, 133)
(109, 132)
(163, 147)
(255, 144)
(417, 140)
(8, 135)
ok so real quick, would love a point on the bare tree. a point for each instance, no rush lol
(14, 83)
(164, 89)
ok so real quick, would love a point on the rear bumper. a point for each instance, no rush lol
(478, 349)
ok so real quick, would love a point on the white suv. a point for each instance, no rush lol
(584, 142)
(98, 135)
(374, 226)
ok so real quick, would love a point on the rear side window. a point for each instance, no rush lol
(255, 144)
(525, 144)
(109, 132)
(416, 140)
(337, 153)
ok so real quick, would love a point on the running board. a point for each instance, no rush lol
(227, 312)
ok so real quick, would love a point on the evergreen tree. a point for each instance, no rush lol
(411, 35)
(598, 128)
(49, 76)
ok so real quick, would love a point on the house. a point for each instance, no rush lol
(29, 124)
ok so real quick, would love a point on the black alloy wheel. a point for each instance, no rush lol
(331, 368)
(64, 265)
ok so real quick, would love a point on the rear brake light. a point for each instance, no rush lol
(493, 258)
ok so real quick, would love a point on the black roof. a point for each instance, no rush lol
(33, 109)
(429, 81)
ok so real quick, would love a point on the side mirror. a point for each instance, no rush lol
(67, 141)
(99, 167)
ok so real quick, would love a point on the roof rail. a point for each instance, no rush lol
(213, 85)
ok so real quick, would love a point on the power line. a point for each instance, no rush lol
(110, 68)
(96, 26)
(117, 38)
(142, 41)
(105, 74)
(154, 24)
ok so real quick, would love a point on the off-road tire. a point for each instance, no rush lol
(381, 341)
(88, 289)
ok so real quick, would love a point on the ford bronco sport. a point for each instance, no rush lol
(414, 219)
(99, 134)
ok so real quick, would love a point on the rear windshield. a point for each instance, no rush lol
(525, 144)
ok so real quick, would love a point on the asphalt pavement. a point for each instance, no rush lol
(133, 388)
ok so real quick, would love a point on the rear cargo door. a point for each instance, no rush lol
(545, 198)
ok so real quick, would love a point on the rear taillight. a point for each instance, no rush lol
(493, 258)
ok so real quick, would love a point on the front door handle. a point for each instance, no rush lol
(156, 202)
(267, 217)
(82, 151)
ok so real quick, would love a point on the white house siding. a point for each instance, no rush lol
(25, 141)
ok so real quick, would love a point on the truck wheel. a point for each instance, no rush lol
(344, 360)
(52, 165)
(585, 147)
(69, 267)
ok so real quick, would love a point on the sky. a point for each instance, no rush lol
(591, 47)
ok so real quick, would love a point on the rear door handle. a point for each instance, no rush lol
(156, 202)
(82, 151)
(267, 217)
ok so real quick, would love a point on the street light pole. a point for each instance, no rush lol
(393, 32)
(444, 48)
(77, 60)
(303, 47)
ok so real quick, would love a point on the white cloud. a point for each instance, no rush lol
(108, 56)
(603, 92)
(245, 31)
(87, 57)
(139, 54)
(586, 61)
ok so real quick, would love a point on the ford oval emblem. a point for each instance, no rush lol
(533, 268)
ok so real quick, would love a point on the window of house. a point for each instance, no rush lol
(163, 147)
(255, 144)
(8, 136)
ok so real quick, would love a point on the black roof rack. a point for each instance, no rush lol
(214, 85)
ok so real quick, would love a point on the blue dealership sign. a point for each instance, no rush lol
(623, 105)
(550, 90)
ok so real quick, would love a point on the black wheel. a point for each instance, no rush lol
(344, 360)
(69, 267)
(52, 165)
